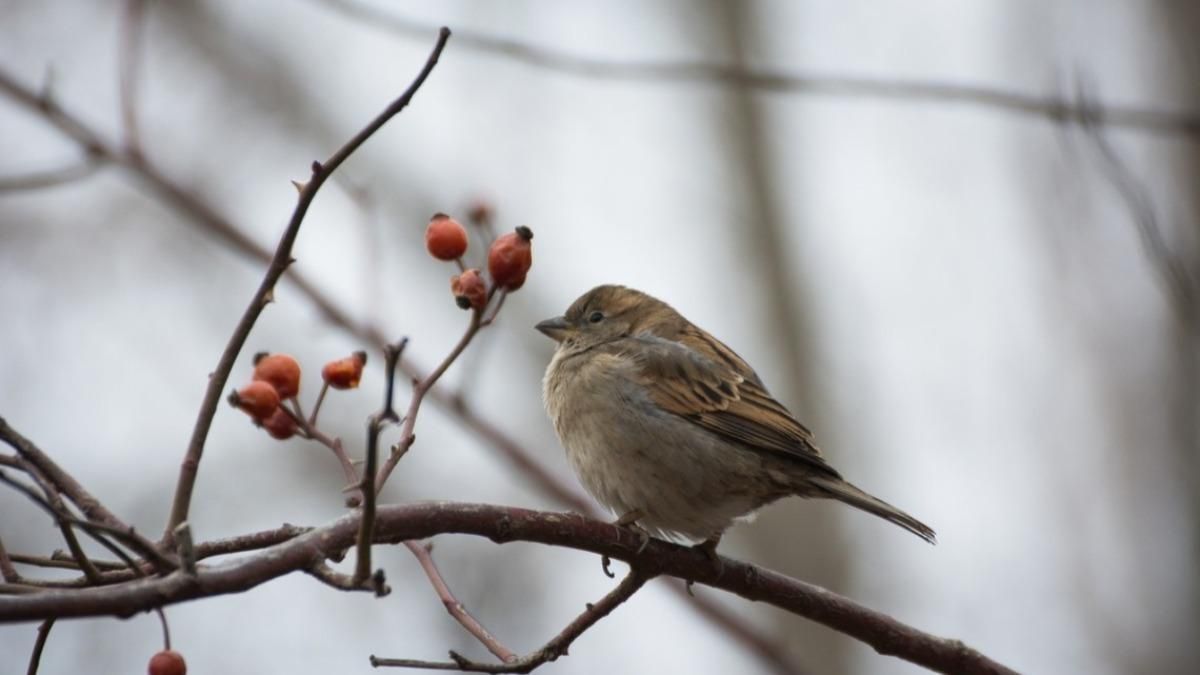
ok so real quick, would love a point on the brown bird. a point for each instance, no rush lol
(672, 430)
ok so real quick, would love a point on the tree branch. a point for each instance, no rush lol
(423, 553)
(556, 647)
(1053, 109)
(397, 523)
(279, 264)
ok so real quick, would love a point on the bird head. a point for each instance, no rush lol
(608, 313)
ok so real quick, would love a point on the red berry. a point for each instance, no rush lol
(258, 399)
(445, 237)
(280, 371)
(345, 373)
(469, 290)
(510, 258)
(167, 662)
(280, 425)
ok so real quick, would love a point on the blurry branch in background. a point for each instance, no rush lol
(296, 551)
(128, 50)
(206, 216)
(1175, 271)
(50, 177)
(1056, 110)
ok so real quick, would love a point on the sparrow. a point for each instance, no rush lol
(672, 430)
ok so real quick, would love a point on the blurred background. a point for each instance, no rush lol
(958, 239)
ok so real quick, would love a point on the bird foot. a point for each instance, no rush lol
(629, 522)
(709, 548)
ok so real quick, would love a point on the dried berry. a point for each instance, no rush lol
(445, 237)
(167, 662)
(469, 290)
(258, 399)
(345, 373)
(510, 258)
(280, 371)
(280, 425)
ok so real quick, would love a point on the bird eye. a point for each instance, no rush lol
(596, 317)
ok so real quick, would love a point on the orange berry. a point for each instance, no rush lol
(280, 425)
(258, 399)
(280, 371)
(167, 662)
(469, 290)
(345, 373)
(510, 258)
(445, 237)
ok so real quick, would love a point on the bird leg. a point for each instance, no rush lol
(709, 548)
(629, 522)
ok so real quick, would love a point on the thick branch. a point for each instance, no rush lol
(397, 523)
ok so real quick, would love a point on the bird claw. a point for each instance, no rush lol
(605, 561)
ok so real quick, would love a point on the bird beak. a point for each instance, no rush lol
(555, 328)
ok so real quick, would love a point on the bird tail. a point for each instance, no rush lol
(842, 491)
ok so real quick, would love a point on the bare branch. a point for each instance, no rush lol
(345, 582)
(423, 554)
(129, 58)
(279, 264)
(43, 634)
(8, 572)
(51, 177)
(556, 647)
(386, 415)
(398, 523)
(420, 389)
(63, 481)
(1053, 109)
(1173, 273)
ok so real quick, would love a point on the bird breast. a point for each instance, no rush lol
(632, 455)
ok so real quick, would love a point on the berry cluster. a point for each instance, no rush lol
(508, 260)
(277, 379)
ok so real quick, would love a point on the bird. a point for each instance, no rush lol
(671, 430)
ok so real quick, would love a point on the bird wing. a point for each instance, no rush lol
(705, 382)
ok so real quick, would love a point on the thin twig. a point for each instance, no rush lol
(312, 420)
(50, 177)
(96, 530)
(1172, 271)
(386, 415)
(345, 582)
(557, 646)
(310, 431)
(63, 481)
(279, 264)
(58, 562)
(420, 389)
(8, 572)
(1056, 110)
(166, 631)
(56, 503)
(423, 553)
(129, 60)
(43, 634)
